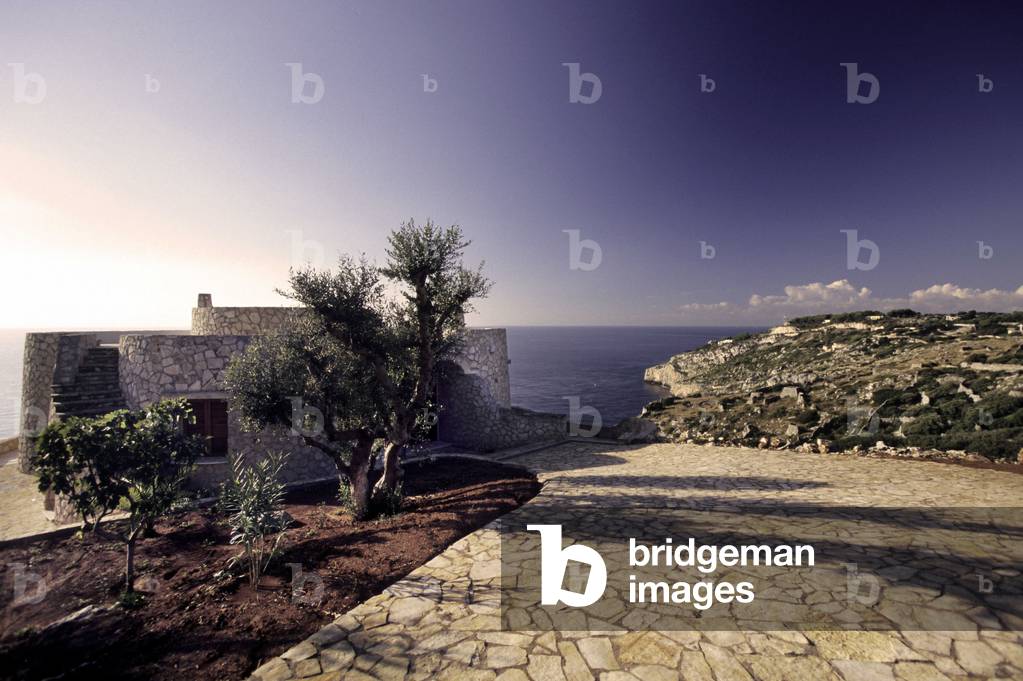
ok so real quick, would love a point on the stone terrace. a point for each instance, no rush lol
(444, 621)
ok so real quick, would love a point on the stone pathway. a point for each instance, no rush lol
(444, 620)
(21, 502)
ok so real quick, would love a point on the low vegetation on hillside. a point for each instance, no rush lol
(903, 382)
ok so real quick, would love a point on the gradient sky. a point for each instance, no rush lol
(118, 205)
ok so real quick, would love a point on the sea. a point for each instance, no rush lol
(12, 349)
(557, 368)
(553, 368)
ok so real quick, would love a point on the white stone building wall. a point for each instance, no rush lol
(38, 366)
(161, 367)
(474, 392)
(484, 353)
(243, 321)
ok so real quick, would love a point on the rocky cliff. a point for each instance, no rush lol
(901, 381)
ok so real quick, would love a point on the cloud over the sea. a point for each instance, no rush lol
(842, 296)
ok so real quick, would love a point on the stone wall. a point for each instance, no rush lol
(304, 463)
(155, 367)
(484, 353)
(37, 376)
(50, 357)
(474, 392)
(158, 367)
(472, 416)
(71, 349)
(243, 321)
(8, 445)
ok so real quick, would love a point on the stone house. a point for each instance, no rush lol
(93, 373)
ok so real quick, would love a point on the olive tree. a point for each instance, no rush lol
(363, 362)
(321, 382)
(436, 291)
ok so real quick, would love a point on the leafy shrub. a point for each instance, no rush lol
(253, 497)
(999, 444)
(134, 459)
(928, 424)
(808, 417)
(388, 502)
(1000, 404)
(77, 458)
(895, 401)
(1013, 356)
(344, 496)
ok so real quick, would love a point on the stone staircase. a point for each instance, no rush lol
(96, 389)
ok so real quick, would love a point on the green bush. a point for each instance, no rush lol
(1000, 444)
(1000, 404)
(80, 460)
(928, 424)
(808, 417)
(388, 502)
(253, 497)
(137, 460)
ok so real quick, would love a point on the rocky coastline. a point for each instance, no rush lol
(901, 384)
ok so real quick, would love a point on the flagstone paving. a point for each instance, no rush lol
(21, 502)
(444, 620)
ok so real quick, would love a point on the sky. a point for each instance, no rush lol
(167, 156)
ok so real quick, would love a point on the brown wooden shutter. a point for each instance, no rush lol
(211, 424)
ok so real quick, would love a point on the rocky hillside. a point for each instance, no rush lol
(900, 382)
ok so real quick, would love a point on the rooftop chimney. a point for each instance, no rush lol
(205, 300)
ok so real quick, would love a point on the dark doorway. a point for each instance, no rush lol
(211, 424)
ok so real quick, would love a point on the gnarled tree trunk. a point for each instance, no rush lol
(392, 474)
(358, 476)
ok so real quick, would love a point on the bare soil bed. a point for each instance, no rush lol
(200, 621)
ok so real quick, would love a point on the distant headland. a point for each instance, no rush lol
(900, 383)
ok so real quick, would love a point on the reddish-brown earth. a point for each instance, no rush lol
(200, 621)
